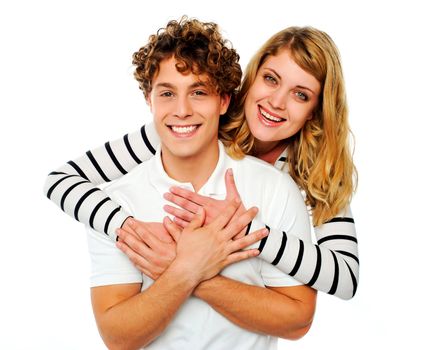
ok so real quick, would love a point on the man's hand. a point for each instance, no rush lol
(203, 251)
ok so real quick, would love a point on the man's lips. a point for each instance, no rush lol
(183, 130)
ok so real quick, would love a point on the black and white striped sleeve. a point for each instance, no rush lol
(331, 265)
(73, 187)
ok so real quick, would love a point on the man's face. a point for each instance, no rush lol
(186, 112)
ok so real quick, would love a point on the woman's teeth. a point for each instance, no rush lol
(270, 117)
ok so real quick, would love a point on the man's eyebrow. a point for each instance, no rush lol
(164, 85)
(171, 86)
(198, 84)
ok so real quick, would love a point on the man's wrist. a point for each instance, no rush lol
(184, 273)
(202, 287)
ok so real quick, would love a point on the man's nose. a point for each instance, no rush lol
(183, 108)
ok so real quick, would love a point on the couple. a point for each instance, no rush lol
(197, 281)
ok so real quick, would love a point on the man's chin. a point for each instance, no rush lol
(180, 150)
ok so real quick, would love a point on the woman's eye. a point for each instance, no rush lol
(301, 95)
(270, 79)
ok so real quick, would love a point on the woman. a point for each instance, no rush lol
(290, 112)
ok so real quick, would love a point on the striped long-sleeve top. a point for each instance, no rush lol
(331, 265)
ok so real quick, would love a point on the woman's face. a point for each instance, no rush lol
(282, 97)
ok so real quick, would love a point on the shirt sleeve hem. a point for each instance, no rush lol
(98, 281)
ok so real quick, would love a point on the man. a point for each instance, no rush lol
(188, 75)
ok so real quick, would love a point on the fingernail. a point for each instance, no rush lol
(230, 172)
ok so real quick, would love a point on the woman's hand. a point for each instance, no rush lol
(190, 202)
(148, 245)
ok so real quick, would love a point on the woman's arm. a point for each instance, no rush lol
(331, 265)
(73, 186)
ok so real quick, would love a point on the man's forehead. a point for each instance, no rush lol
(170, 75)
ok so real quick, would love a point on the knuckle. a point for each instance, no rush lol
(239, 225)
(242, 245)
(153, 260)
(158, 263)
(133, 245)
(141, 232)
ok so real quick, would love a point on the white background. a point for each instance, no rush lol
(66, 86)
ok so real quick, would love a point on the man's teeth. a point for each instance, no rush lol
(183, 129)
(270, 117)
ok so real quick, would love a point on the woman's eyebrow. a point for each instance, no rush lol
(274, 72)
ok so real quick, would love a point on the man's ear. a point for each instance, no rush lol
(224, 103)
(149, 102)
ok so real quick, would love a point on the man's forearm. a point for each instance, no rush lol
(257, 309)
(138, 320)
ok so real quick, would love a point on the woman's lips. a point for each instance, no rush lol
(269, 119)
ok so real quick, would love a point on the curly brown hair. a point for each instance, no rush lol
(198, 47)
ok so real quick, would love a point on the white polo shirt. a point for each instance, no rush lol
(197, 325)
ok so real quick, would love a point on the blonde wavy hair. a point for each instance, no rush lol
(319, 156)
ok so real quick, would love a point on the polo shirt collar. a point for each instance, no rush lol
(215, 185)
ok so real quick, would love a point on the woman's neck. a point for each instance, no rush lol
(269, 151)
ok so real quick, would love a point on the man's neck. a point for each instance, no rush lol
(195, 170)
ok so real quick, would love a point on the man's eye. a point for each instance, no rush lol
(199, 93)
(166, 94)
